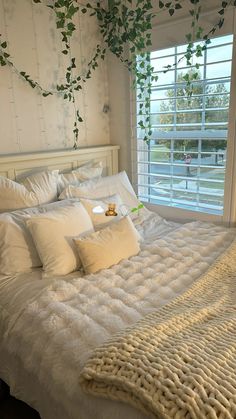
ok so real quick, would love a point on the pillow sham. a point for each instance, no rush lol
(99, 219)
(109, 246)
(53, 234)
(36, 189)
(87, 171)
(17, 249)
(105, 186)
(43, 184)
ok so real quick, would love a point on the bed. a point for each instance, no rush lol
(51, 327)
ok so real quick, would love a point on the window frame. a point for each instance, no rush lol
(181, 214)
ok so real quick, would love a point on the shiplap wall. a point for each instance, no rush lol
(29, 122)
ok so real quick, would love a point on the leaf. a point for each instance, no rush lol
(4, 44)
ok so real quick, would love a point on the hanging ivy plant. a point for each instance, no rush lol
(125, 27)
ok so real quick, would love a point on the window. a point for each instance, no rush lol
(184, 164)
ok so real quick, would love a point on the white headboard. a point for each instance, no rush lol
(16, 166)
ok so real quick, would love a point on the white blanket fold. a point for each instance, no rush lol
(180, 361)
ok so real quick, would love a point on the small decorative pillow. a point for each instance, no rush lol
(97, 209)
(105, 186)
(53, 234)
(109, 246)
(36, 189)
(88, 171)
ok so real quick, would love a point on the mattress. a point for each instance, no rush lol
(49, 327)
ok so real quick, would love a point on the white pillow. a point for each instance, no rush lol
(17, 249)
(100, 220)
(109, 246)
(43, 184)
(53, 234)
(34, 190)
(89, 170)
(105, 186)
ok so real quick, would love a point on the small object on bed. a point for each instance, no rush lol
(97, 208)
(111, 210)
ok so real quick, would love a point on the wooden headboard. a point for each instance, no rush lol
(19, 165)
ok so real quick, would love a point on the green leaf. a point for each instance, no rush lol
(4, 44)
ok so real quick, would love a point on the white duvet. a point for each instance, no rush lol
(50, 327)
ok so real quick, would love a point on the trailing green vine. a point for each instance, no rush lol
(125, 27)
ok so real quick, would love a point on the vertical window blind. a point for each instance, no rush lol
(184, 164)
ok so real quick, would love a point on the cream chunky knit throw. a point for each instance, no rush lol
(180, 361)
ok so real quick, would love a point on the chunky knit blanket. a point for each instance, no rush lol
(180, 361)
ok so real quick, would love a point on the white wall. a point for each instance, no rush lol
(29, 122)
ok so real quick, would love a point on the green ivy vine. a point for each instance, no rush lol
(125, 27)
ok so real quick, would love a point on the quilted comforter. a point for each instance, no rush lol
(178, 362)
(51, 335)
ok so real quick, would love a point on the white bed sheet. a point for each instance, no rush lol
(82, 312)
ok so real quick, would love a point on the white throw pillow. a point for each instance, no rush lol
(109, 246)
(85, 172)
(17, 249)
(99, 219)
(105, 186)
(36, 189)
(53, 234)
